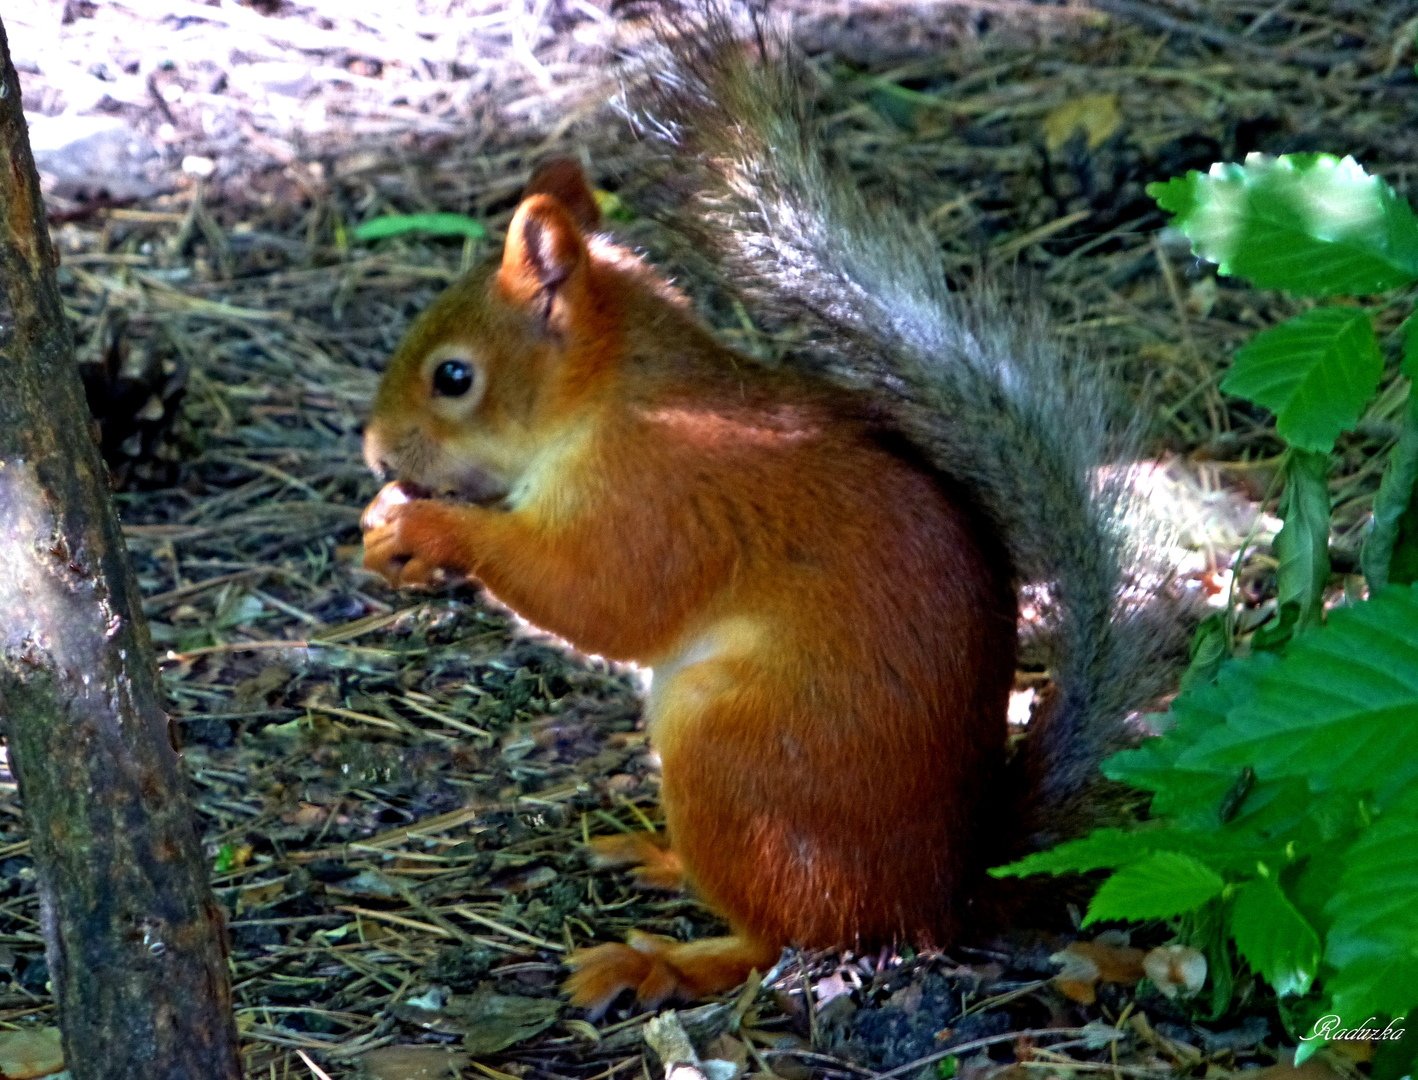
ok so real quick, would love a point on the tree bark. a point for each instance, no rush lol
(135, 940)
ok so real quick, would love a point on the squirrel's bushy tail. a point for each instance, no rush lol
(985, 392)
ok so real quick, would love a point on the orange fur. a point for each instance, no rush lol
(832, 626)
(653, 865)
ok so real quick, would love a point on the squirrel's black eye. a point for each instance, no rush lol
(452, 378)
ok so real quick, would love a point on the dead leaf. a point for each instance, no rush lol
(785, 1065)
(263, 688)
(831, 987)
(1083, 991)
(665, 1035)
(29, 1053)
(726, 1047)
(1177, 1051)
(413, 1063)
(497, 1021)
(307, 815)
(1085, 964)
(488, 1021)
(1096, 115)
(370, 885)
(258, 896)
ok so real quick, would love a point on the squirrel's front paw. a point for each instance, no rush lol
(410, 541)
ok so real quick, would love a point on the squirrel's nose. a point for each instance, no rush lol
(375, 451)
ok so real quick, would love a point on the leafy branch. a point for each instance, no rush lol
(1283, 823)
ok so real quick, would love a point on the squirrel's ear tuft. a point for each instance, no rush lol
(544, 249)
(563, 179)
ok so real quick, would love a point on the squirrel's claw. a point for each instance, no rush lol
(652, 864)
(600, 974)
(397, 533)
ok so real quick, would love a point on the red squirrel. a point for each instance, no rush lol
(819, 560)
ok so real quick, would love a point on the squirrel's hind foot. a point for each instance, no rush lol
(659, 969)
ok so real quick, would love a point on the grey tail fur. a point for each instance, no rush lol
(985, 392)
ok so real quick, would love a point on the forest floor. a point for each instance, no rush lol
(394, 790)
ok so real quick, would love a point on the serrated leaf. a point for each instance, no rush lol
(1158, 886)
(1390, 551)
(1373, 937)
(1101, 849)
(1302, 545)
(1270, 816)
(1274, 937)
(381, 228)
(1316, 372)
(1339, 710)
(1198, 709)
(1383, 984)
(1313, 224)
(1190, 797)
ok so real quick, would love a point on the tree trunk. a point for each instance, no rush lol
(135, 941)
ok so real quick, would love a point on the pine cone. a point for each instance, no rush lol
(134, 389)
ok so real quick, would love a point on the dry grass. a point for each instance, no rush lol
(393, 789)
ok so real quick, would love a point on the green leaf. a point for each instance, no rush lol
(1237, 794)
(1313, 224)
(1159, 886)
(1201, 707)
(1274, 937)
(1188, 797)
(1276, 634)
(896, 104)
(1373, 939)
(1302, 545)
(1210, 648)
(1316, 372)
(1390, 551)
(1311, 887)
(1212, 809)
(1101, 849)
(381, 228)
(226, 859)
(1396, 1059)
(1409, 364)
(899, 104)
(612, 206)
(1207, 929)
(1338, 711)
